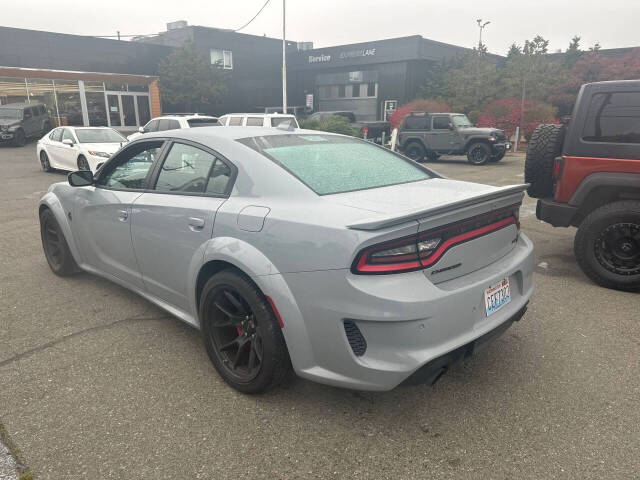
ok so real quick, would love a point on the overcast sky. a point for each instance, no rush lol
(612, 23)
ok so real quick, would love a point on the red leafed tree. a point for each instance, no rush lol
(504, 114)
(419, 105)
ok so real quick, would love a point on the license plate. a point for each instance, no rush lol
(497, 296)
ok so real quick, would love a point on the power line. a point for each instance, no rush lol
(254, 17)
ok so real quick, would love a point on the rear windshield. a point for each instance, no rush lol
(202, 122)
(331, 164)
(275, 121)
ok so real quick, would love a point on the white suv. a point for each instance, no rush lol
(174, 122)
(257, 120)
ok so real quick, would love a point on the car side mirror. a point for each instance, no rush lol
(141, 130)
(68, 142)
(81, 178)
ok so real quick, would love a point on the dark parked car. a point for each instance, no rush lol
(430, 135)
(19, 121)
(587, 175)
(371, 129)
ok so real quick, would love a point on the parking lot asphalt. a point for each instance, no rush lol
(96, 382)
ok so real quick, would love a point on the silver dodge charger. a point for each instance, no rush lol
(296, 249)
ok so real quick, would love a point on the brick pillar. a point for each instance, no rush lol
(154, 96)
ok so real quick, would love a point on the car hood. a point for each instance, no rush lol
(9, 121)
(468, 131)
(103, 147)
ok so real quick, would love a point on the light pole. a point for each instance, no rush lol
(481, 26)
(284, 59)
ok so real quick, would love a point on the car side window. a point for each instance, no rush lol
(56, 135)
(254, 121)
(441, 123)
(613, 117)
(235, 121)
(130, 168)
(185, 169)
(152, 126)
(43, 109)
(415, 122)
(68, 135)
(26, 114)
(219, 178)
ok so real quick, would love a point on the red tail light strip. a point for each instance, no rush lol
(362, 266)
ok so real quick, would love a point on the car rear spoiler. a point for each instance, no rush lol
(380, 222)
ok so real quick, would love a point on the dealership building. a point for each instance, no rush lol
(94, 81)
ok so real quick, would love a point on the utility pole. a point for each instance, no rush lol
(284, 58)
(481, 26)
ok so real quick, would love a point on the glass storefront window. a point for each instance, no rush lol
(69, 107)
(12, 90)
(115, 87)
(41, 91)
(96, 107)
(144, 115)
(138, 88)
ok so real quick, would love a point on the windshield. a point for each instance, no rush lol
(99, 135)
(461, 121)
(330, 164)
(11, 113)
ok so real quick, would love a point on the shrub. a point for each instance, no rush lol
(419, 105)
(504, 114)
(335, 124)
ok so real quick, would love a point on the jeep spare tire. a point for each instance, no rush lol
(545, 145)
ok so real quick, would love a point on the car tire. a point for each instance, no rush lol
(496, 158)
(432, 156)
(83, 164)
(241, 334)
(19, 139)
(544, 146)
(415, 151)
(607, 245)
(56, 249)
(44, 162)
(478, 153)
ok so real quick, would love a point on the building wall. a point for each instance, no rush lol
(46, 50)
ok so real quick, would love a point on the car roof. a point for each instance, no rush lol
(263, 114)
(21, 105)
(202, 134)
(183, 115)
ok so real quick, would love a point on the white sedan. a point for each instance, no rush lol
(78, 148)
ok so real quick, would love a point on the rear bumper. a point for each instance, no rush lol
(406, 321)
(557, 214)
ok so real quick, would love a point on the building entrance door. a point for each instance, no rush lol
(128, 111)
(113, 105)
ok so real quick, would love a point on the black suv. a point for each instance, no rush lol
(430, 135)
(19, 121)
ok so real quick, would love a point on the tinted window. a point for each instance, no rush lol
(27, 113)
(355, 90)
(275, 121)
(371, 89)
(416, 123)
(613, 117)
(254, 121)
(203, 122)
(56, 135)
(167, 124)
(67, 135)
(152, 126)
(441, 123)
(341, 91)
(186, 169)
(219, 178)
(332, 164)
(129, 170)
(42, 109)
(235, 121)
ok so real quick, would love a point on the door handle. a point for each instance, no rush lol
(123, 215)
(196, 224)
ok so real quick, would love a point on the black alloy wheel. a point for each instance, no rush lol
(241, 333)
(415, 152)
(83, 164)
(44, 161)
(617, 248)
(55, 246)
(478, 154)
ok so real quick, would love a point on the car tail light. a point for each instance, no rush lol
(424, 249)
(558, 163)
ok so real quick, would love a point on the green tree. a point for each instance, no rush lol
(573, 53)
(189, 82)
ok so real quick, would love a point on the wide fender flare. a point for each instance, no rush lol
(474, 139)
(266, 276)
(52, 202)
